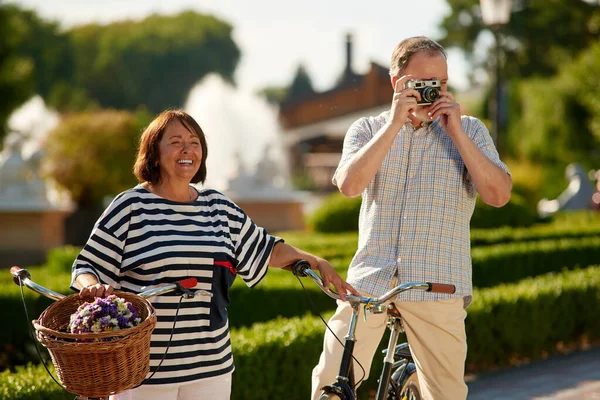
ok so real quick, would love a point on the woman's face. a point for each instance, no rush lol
(180, 153)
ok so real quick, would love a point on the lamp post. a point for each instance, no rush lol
(495, 14)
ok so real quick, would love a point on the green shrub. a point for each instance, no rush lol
(579, 218)
(60, 259)
(16, 343)
(493, 265)
(515, 213)
(533, 318)
(31, 382)
(90, 154)
(337, 214)
(487, 237)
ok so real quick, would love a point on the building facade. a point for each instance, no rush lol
(314, 124)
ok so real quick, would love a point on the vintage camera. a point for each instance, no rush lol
(429, 90)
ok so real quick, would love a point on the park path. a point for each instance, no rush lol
(567, 377)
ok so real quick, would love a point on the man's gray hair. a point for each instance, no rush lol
(408, 48)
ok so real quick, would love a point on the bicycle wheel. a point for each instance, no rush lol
(325, 396)
(411, 390)
(404, 384)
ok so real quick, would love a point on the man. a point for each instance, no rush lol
(419, 169)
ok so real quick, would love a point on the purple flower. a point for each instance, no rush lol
(104, 314)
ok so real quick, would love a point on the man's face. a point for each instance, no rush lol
(427, 65)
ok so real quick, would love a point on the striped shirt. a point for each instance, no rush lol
(415, 213)
(145, 240)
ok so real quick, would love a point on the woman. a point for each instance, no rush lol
(164, 229)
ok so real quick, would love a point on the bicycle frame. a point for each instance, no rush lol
(344, 385)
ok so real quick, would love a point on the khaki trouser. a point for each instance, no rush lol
(436, 334)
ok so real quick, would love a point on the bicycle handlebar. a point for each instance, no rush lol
(25, 278)
(302, 269)
(183, 286)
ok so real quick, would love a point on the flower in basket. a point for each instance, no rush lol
(111, 313)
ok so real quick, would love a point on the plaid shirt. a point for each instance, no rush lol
(415, 214)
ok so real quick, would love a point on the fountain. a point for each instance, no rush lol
(32, 213)
(246, 158)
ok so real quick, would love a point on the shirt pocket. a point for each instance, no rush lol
(223, 276)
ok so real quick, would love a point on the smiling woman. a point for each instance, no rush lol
(164, 230)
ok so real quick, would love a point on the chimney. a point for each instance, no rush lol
(348, 71)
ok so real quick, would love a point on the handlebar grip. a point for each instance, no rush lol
(19, 274)
(299, 268)
(188, 283)
(441, 288)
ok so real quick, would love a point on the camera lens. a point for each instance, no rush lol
(430, 94)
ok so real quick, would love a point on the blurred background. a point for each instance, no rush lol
(275, 86)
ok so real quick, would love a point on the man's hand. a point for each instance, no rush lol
(330, 276)
(449, 112)
(404, 101)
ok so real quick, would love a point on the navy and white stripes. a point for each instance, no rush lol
(143, 240)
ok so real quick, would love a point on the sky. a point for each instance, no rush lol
(275, 37)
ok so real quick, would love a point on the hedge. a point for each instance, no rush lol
(31, 382)
(505, 324)
(16, 343)
(488, 237)
(493, 265)
(337, 213)
(533, 318)
(514, 213)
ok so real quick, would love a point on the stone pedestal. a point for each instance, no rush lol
(27, 236)
(274, 215)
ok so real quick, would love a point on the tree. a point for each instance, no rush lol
(274, 94)
(91, 154)
(301, 84)
(540, 35)
(153, 62)
(32, 58)
(561, 115)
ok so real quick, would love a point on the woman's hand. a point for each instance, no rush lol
(331, 277)
(96, 290)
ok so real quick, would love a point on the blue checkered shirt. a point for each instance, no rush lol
(415, 213)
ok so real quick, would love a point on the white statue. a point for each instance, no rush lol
(266, 170)
(20, 181)
(240, 180)
(577, 196)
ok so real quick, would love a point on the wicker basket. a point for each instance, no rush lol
(119, 361)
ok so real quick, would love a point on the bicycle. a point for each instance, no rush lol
(398, 380)
(74, 355)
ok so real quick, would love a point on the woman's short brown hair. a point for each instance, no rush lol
(146, 167)
(409, 47)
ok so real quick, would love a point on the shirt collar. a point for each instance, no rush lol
(424, 124)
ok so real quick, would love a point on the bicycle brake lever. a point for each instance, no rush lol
(185, 292)
(19, 274)
(299, 268)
